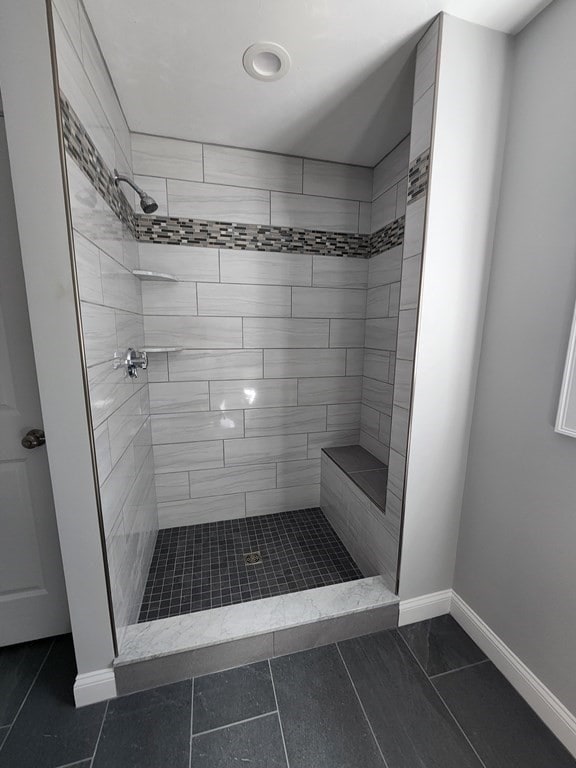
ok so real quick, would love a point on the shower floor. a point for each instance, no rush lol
(198, 567)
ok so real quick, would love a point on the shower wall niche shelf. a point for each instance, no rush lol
(145, 274)
(152, 350)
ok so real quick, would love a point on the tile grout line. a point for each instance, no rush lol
(99, 733)
(40, 668)
(361, 705)
(236, 722)
(447, 708)
(458, 669)
(279, 715)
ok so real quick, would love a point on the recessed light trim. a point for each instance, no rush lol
(266, 61)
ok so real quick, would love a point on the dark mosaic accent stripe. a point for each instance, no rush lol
(418, 175)
(198, 567)
(80, 146)
(215, 234)
(388, 237)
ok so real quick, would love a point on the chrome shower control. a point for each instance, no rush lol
(132, 361)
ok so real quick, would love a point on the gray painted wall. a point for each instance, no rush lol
(516, 561)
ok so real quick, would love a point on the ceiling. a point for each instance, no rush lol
(177, 67)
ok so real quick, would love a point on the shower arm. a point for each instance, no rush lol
(119, 177)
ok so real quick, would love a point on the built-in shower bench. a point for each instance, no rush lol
(353, 498)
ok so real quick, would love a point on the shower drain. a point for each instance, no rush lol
(252, 558)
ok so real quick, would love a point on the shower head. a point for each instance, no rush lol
(147, 203)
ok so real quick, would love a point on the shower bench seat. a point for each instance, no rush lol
(353, 497)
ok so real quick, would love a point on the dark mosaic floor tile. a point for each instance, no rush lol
(50, 731)
(503, 729)
(82, 764)
(3, 734)
(150, 729)
(353, 458)
(441, 645)
(231, 696)
(256, 743)
(195, 568)
(412, 725)
(19, 665)
(321, 717)
(374, 483)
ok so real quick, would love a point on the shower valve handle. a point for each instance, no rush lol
(132, 361)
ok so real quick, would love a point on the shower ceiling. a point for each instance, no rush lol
(177, 67)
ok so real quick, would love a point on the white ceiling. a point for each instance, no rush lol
(177, 67)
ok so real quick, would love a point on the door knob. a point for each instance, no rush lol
(34, 438)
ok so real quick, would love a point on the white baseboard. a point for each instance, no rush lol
(546, 705)
(92, 687)
(425, 607)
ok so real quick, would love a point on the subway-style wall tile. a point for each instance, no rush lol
(279, 363)
(385, 268)
(178, 457)
(206, 510)
(381, 333)
(179, 397)
(169, 298)
(193, 332)
(403, 383)
(282, 499)
(422, 114)
(383, 209)
(329, 272)
(378, 301)
(375, 447)
(342, 416)
(309, 212)
(196, 427)
(328, 302)
(170, 158)
(264, 450)
(103, 457)
(268, 268)
(227, 480)
(260, 422)
(253, 393)
(173, 486)
(427, 50)
(120, 289)
(410, 289)
(88, 269)
(247, 168)
(377, 364)
(406, 334)
(414, 231)
(347, 333)
(209, 364)
(394, 303)
(370, 420)
(350, 182)
(319, 440)
(216, 202)
(305, 472)
(377, 394)
(228, 299)
(185, 262)
(392, 168)
(355, 361)
(399, 430)
(330, 390)
(99, 326)
(285, 333)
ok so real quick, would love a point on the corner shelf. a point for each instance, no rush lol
(153, 350)
(161, 277)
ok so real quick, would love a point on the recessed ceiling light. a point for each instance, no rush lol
(266, 61)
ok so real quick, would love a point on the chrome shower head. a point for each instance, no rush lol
(147, 203)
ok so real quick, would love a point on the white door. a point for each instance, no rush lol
(32, 594)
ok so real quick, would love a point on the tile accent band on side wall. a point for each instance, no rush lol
(216, 234)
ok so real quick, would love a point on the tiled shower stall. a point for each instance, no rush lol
(288, 326)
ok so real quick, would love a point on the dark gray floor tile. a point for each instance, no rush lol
(50, 731)
(19, 665)
(257, 744)
(228, 697)
(441, 645)
(353, 458)
(374, 483)
(503, 729)
(150, 729)
(412, 725)
(323, 723)
(82, 764)
(3, 734)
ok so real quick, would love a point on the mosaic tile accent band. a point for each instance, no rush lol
(217, 234)
(418, 175)
(80, 146)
